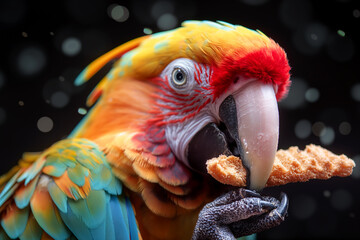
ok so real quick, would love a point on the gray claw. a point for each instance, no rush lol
(267, 205)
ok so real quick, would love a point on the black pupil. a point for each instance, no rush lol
(179, 75)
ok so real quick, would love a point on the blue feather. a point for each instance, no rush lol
(134, 234)
(119, 218)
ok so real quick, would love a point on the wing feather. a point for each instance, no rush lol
(67, 192)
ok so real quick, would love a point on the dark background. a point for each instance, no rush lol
(45, 45)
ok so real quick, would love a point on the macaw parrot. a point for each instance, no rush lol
(135, 166)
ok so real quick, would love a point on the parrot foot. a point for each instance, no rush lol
(239, 213)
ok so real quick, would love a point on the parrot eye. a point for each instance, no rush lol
(178, 78)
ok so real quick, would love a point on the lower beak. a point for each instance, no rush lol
(252, 119)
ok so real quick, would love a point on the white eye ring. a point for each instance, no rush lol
(178, 78)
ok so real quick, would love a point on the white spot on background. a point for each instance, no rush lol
(167, 21)
(327, 136)
(31, 60)
(356, 169)
(312, 95)
(355, 92)
(118, 13)
(45, 124)
(303, 129)
(345, 128)
(59, 99)
(71, 46)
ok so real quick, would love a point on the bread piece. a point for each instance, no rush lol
(292, 165)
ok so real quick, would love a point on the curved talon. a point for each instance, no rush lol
(238, 213)
(249, 193)
(267, 205)
(281, 210)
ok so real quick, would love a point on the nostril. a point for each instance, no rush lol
(236, 80)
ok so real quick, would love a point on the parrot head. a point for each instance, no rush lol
(214, 90)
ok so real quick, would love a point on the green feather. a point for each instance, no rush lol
(58, 196)
(76, 226)
(57, 160)
(101, 179)
(32, 231)
(23, 200)
(8, 193)
(58, 169)
(50, 221)
(114, 187)
(9, 184)
(77, 174)
(91, 209)
(15, 224)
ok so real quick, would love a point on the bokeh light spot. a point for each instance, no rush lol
(327, 193)
(148, 31)
(71, 46)
(167, 21)
(327, 136)
(31, 60)
(356, 169)
(82, 111)
(296, 96)
(59, 99)
(312, 95)
(303, 206)
(318, 128)
(355, 92)
(45, 124)
(316, 34)
(341, 199)
(160, 8)
(356, 13)
(21, 103)
(345, 128)
(2, 116)
(118, 13)
(303, 129)
(341, 33)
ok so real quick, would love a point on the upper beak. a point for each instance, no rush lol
(251, 116)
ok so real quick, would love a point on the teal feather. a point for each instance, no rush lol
(58, 196)
(49, 221)
(76, 225)
(58, 160)
(114, 187)
(59, 167)
(15, 224)
(86, 161)
(32, 231)
(77, 174)
(31, 172)
(101, 179)
(109, 226)
(9, 184)
(8, 193)
(91, 209)
(22, 200)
